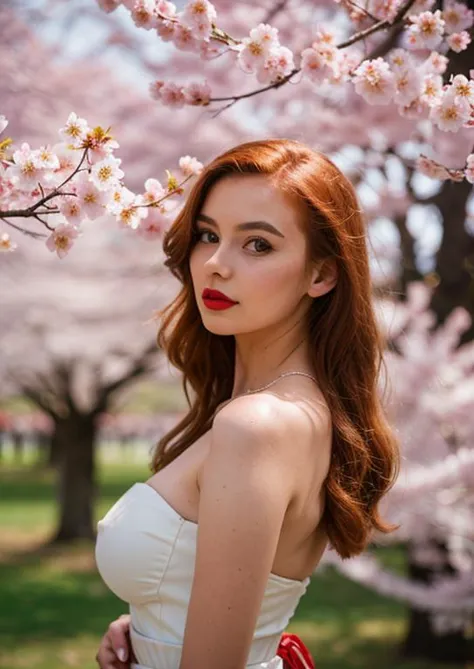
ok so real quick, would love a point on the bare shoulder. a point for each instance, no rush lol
(272, 425)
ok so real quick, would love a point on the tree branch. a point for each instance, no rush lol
(138, 367)
(357, 37)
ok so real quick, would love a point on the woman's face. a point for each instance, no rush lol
(251, 247)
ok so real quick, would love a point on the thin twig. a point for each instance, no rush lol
(41, 220)
(29, 233)
(363, 10)
(32, 210)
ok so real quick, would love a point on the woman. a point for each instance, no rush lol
(285, 448)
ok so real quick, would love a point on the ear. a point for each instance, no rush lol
(323, 277)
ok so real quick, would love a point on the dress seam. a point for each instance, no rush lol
(169, 560)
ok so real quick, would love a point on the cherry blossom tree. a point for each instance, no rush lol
(386, 89)
(76, 331)
(431, 386)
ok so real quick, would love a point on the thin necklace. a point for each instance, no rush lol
(257, 390)
(282, 376)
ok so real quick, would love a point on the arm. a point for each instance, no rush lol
(246, 487)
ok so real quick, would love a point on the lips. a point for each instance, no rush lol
(215, 300)
(215, 295)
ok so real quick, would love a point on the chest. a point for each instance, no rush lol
(179, 481)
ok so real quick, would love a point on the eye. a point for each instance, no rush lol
(201, 233)
(261, 245)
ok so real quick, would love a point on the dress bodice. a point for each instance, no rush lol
(145, 553)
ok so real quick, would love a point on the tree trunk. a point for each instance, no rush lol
(76, 436)
(53, 451)
(422, 640)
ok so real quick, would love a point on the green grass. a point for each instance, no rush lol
(54, 607)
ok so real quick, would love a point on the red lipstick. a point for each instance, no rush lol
(214, 299)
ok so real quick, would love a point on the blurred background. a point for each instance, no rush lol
(85, 393)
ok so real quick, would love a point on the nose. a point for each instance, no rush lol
(219, 262)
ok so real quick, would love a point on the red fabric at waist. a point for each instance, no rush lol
(294, 653)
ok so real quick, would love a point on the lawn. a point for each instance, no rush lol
(54, 607)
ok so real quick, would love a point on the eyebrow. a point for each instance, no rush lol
(249, 225)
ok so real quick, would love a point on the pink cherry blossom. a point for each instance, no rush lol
(3, 123)
(257, 46)
(457, 17)
(197, 93)
(98, 151)
(172, 95)
(278, 64)
(469, 171)
(400, 60)
(7, 186)
(431, 89)
(459, 41)
(91, 200)
(426, 31)
(375, 82)
(71, 209)
(155, 89)
(153, 226)
(183, 39)
(109, 6)
(323, 36)
(463, 88)
(106, 173)
(190, 166)
(6, 243)
(436, 63)
(75, 129)
(407, 85)
(117, 198)
(209, 50)
(68, 159)
(129, 213)
(451, 113)
(62, 239)
(166, 9)
(166, 30)
(251, 55)
(266, 34)
(417, 109)
(143, 14)
(45, 158)
(154, 192)
(25, 172)
(199, 15)
(313, 66)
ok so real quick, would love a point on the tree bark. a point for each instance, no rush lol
(422, 640)
(53, 451)
(76, 437)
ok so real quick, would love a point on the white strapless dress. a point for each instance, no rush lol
(145, 553)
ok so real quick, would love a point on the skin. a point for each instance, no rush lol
(235, 263)
(252, 455)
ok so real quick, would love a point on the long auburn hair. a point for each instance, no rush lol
(346, 345)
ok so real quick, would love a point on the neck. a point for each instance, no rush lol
(262, 356)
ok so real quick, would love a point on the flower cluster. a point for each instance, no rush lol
(262, 54)
(400, 79)
(172, 95)
(418, 91)
(78, 179)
